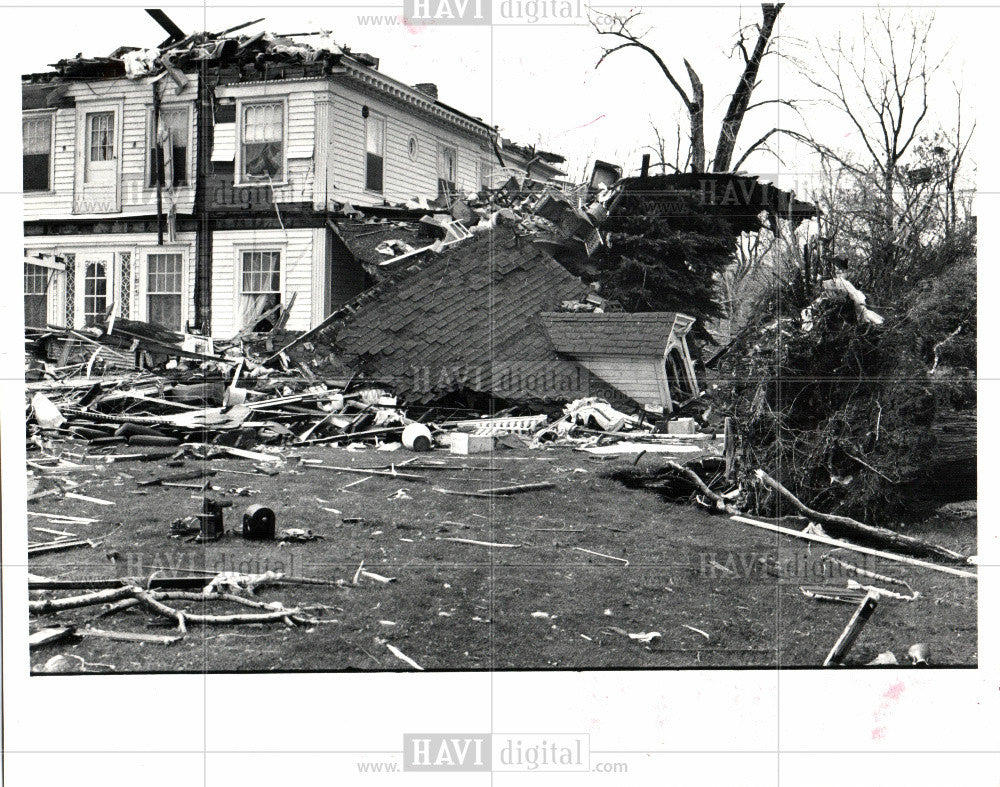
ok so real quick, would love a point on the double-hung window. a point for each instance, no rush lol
(36, 133)
(262, 142)
(165, 289)
(260, 288)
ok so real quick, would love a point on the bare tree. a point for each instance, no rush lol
(621, 27)
(664, 159)
(881, 85)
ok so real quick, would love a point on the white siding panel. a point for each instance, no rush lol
(296, 247)
(637, 377)
(137, 104)
(403, 178)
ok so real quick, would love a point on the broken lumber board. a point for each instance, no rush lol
(190, 475)
(362, 471)
(601, 554)
(480, 543)
(130, 636)
(84, 499)
(49, 636)
(75, 520)
(58, 546)
(850, 633)
(403, 657)
(911, 561)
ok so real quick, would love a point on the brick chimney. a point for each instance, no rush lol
(429, 88)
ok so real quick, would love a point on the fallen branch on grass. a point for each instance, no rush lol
(499, 491)
(844, 526)
(127, 597)
(911, 561)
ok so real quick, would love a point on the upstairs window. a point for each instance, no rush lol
(262, 143)
(100, 147)
(36, 300)
(172, 167)
(164, 289)
(101, 136)
(260, 289)
(447, 169)
(37, 135)
(374, 152)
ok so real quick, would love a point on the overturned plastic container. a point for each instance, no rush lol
(417, 437)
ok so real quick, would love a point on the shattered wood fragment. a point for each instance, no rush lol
(403, 657)
(517, 488)
(844, 642)
(601, 554)
(57, 546)
(50, 636)
(362, 471)
(481, 543)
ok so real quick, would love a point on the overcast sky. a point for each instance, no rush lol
(538, 81)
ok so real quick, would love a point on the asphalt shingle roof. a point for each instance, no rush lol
(469, 319)
(616, 333)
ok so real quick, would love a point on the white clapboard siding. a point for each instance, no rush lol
(137, 105)
(296, 247)
(642, 378)
(58, 201)
(300, 129)
(403, 178)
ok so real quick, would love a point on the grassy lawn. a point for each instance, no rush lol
(457, 606)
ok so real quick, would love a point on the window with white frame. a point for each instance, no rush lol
(101, 136)
(374, 152)
(168, 160)
(36, 300)
(95, 292)
(262, 144)
(36, 133)
(260, 288)
(165, 289)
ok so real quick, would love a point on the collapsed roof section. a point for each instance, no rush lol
(484, 317)
(468, 320)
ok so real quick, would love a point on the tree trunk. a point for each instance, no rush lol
(696, 109)
(733, 119)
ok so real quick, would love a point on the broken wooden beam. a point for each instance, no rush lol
(361, 471)
(850, 633)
